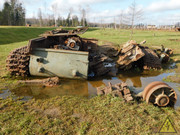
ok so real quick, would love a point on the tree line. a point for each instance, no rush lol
(12, 13)
(55, 20)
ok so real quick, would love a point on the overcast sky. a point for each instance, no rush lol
(155, 11)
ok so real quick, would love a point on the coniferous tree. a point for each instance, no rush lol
(12, 13)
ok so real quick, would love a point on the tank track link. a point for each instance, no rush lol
(17, 62)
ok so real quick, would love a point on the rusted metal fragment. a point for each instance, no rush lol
(49, 82)
(118, 90)
(163, 53)
(109, 50)
(177, 29)
(128, 45)
(129, 54)
(101, 60)
(61, 32)
(101, 64)
(169, 51)
(164, 58)
(136, 55)
(150, 59)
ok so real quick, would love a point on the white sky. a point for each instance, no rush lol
(155, 11)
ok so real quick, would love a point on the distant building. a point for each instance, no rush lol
(151, 27)
(166, 27)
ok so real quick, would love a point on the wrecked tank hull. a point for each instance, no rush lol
(59, 53)
(64, 54)
(61, 63)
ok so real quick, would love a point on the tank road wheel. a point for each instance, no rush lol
(160, 94)
(72, 45)
(78, 41)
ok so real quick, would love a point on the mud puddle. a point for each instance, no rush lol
(136, 80)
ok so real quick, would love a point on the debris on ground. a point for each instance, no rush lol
(130, 53)
(158, 93)
(136, 55)
(164, 53)
(62, 31)
(177, 29)
(48, 82)
(118, 90)
(100, 65)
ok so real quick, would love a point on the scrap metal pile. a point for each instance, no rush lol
(118, 90)
(131, 55)
(137, 55)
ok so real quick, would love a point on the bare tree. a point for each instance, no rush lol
(54, 8)
(83, 14)
(101, 22)
(71, 16)
(114, 22)
(121, 19)
(134, 15)
(88, 9)
(40, 17)
(45, 13)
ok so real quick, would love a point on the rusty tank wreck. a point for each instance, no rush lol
(59, 53)
(63, 53)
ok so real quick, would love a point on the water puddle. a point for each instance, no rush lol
(138, 81)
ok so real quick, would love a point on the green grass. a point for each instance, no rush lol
(19, 34)
(78, 115)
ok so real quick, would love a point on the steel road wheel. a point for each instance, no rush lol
(160, 94)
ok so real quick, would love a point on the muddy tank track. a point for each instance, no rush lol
(17, 62)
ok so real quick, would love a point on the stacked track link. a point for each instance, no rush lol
(17, 62)
(118, 90)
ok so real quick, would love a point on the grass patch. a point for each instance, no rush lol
(174, 78)
(19, 34)
(77, 115)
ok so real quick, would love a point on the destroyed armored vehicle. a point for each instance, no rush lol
(59, 53)
(63, 53)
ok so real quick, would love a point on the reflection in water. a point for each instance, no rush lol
(85, 88)
(97, 83)
(136, 80)
(135, 77)
(72, 87)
